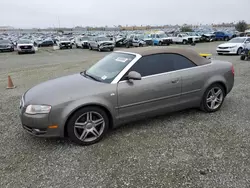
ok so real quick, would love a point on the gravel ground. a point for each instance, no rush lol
(183, 149)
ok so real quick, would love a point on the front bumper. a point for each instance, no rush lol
(38, 125)
(227, 51)
(104, 47)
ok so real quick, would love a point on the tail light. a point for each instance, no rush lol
(232, 69)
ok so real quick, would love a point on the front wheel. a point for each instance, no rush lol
(213, 98)
(239, 51)
(184, 42)
(88, 125)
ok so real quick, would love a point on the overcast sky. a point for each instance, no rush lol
(70, 13)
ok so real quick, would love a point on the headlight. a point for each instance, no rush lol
(38, 109)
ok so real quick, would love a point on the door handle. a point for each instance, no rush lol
(175, 81)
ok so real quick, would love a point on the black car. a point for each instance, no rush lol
(6, 46)
(46, 43)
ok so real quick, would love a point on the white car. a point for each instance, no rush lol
(181, 38)
(25, 46)
(233, 46)
(82, 42)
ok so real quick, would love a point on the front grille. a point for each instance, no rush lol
(219, 51)
(149, 42)
(65, 43)
(223, 47)
(26, 47)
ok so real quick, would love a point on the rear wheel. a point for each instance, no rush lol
(184, 42)
(160, 43)
(242, 57)
(88, 125)
(213, 98)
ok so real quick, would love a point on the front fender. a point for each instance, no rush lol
(71, 107)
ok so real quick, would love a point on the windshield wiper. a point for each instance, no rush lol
(92, 77)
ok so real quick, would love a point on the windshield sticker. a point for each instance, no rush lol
(104, 77)
(122, 59)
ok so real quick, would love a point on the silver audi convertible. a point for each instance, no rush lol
(122, 87)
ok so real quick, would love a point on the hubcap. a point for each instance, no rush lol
(214, 98)
(89, 126)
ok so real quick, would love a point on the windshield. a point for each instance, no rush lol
(163, 35)
(184, 35)
(4, 41)
(237, 40)
(110, 66)
(64, 39)
(85, 38)
(24, 42)
(103, 39)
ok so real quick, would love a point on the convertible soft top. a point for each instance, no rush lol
(190, 54)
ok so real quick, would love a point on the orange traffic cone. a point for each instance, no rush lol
(10, 84)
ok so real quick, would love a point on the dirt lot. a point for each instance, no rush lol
(184, 149)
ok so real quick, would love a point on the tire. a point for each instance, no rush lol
(100, 129)
(140, 45)
(226, 38)
(99, 49)
(19, 53)
(184, 42)
(242, 57)
(77, 46)
(159, 43)
(90, 48)
(239, 51)
(111, 49)
(217, 97)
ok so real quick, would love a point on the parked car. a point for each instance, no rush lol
(101, 43)
(208, 37)
(122, 87)
(234, 46)
(195, 36)
(182, 38)
(219, 35)
(64, 43)
(82, 42)
(161, 39)
(25, 46)
(122, 41)
(6, 46)
(46, 43)
(136, 40)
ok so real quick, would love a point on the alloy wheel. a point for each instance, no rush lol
(89, 126)
(214, 98)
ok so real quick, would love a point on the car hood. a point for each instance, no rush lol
(62, 89)
(65, 41)
(228, 44)
(5, 44)
(106, 42)
(24, 44)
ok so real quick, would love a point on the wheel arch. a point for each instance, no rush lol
(103, 107)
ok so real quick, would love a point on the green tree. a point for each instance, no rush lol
(186, 29)
(241, 26)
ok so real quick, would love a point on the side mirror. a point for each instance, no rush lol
(133, 75)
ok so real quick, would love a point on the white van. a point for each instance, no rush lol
(82, 42)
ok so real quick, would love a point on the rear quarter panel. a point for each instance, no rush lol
(219, 71)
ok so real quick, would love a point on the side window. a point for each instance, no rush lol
(153, 64)
(161, 63)
(179, 61)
